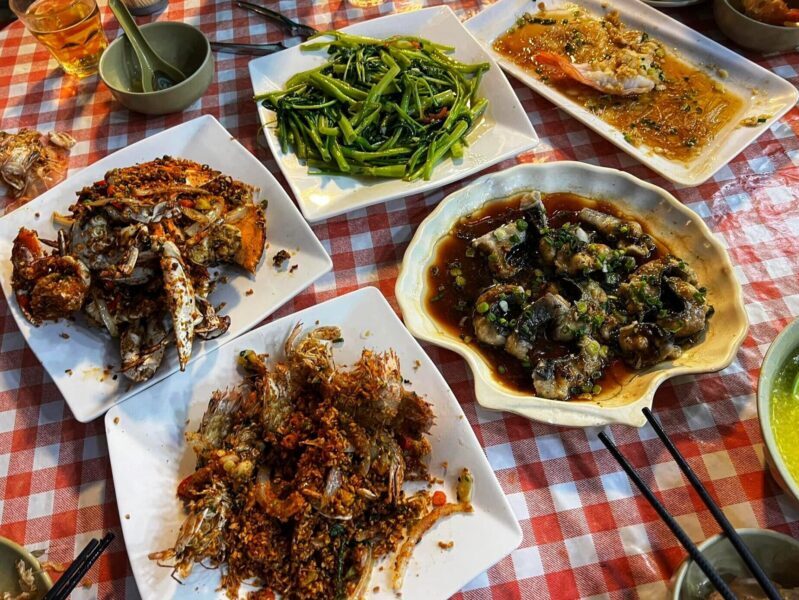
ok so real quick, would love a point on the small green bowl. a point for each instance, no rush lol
(777, 553)
(181, 44)
(779, 351)
(10, 553)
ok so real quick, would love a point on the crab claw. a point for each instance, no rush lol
(180, 299)
(212, 325)
(46, 287)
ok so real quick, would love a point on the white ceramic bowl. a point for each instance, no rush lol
(779, 351)
(683, 231)
(776, 552)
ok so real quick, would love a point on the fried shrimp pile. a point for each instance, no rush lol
(134, 255)
(299, 476)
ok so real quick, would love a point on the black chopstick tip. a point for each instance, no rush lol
(70, 579)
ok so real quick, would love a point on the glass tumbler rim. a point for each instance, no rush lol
(20, 8)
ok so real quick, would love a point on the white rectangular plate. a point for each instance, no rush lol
(505, 131)
(764, 93)
(149, 456)
(78, 364)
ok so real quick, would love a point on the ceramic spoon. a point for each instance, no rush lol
(156, 73)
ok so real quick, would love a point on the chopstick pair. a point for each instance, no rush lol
(678, 531)
(70, 579)
(293, 27)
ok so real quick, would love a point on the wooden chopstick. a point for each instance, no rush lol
(732, 535)
(664, 514)
(78, 569)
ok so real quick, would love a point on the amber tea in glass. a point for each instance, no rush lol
(70, 29)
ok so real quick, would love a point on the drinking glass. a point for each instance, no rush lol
(70, 29)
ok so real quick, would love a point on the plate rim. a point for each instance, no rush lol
(606, 131)
(316, 216)
(66, 187)
(487, 392)
(367, 292)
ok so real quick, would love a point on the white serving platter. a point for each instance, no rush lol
(681, 229)
(78, 365)
(505, 131)
(149, 456)
(763, 92)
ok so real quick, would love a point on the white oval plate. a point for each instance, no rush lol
(504, 132)
(763, 92)
(680, 228)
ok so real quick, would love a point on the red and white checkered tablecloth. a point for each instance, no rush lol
(586, 533)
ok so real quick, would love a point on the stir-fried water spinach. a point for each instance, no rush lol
(379, 108)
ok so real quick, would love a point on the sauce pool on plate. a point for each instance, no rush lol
(654, 98)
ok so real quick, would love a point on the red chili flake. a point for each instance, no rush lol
(439, 498)
(436, 116)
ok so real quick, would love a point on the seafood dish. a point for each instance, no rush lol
(773, 12)
(625, 77)
(133, 257)
(389, 108)
(563, 295)
(32, 162)
(298, 485)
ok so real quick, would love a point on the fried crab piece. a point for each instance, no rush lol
(180, 300)
(31, 162)
(212, 325)
(250, 220)
(496, 311)
(142, 347)
(559, 378)
(47, 287)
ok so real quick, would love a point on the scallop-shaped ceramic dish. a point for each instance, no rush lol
(681, 229)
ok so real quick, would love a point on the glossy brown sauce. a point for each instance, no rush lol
(675, 122)
(451, 306)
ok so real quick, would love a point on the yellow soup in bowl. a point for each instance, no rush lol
(785, 412)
